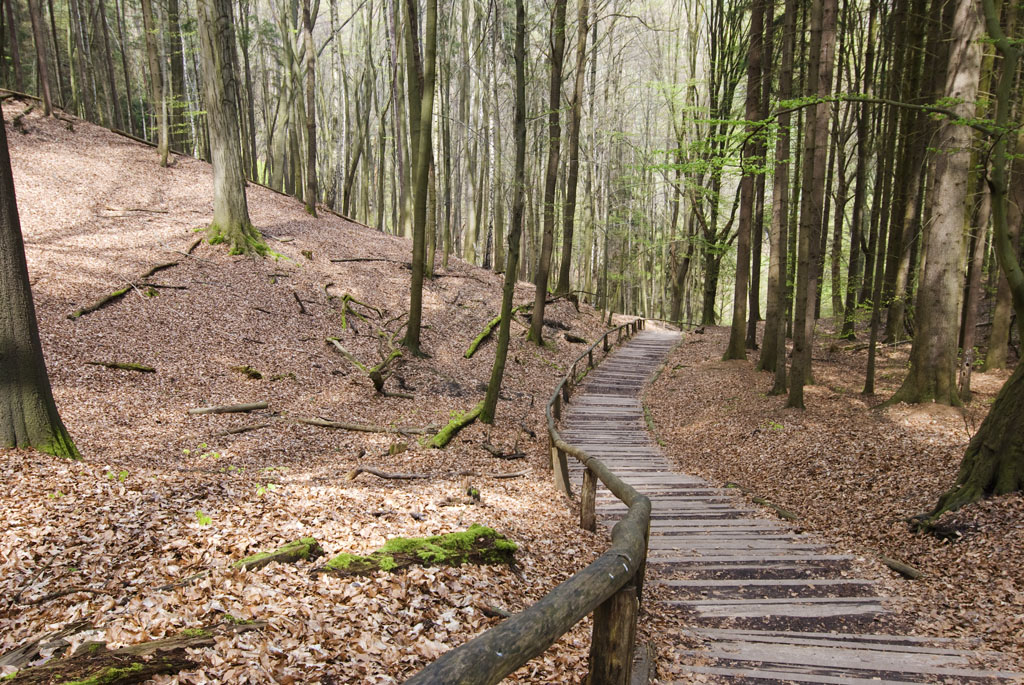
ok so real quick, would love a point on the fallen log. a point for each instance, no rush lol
(575, 339)
(94, 664)
(229, 408)
(297, 550)
(901, 568)
(364, 427)
(477, 545)
(125, 366)
(457, 423)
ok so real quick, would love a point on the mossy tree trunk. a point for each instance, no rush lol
(231, 222)
(28, 414)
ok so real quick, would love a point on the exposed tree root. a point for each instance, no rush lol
(229, 408)
(125, 366)
(477, 545)
(459, 422)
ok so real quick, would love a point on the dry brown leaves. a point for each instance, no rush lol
(157, 499)
(856, 475)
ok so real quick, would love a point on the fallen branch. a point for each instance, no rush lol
(497, 476)
(901, 568)
(477, 545)
(364, 427)
(371, 259)
(302, 308)
(354, 473)
(575, 339)
(757, 499)
(457, 423)
(297, 550)
(125, 366)
(121, 292)
(489, 328)
(495, 452)
(240, 429)
(229, 408)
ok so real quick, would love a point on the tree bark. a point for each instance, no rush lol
(551, 176)
(28, 413)
(42, 62)
(156, 78)
(231, 224)
(933, 357)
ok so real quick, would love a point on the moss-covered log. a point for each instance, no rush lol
(297, 550)
(994, 461)
(476, 545)
(120, 292)
(488, 329)
(125, 366)
(459, 422)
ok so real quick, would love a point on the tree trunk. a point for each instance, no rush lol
(28, 414)
(42, 62)
(933, 358)
(422, 160)
(737, 348)
(551, 176)
(176, 124)
(516, 228)
(231, 222)
(113, 102)
(307, 37)
(156, 79)
(12, 31)
(823, 23)
(572, 174)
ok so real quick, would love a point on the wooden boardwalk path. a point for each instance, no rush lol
(766, 604)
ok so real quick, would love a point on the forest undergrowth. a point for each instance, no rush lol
(137, 541)
(855, 474)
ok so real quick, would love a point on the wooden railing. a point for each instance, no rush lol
(610, 587)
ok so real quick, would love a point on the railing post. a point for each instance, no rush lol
(556, 408)
(611, 648)
(604, 342)
(590, 359)
(565, 393)
(588, 498)
(560, 466)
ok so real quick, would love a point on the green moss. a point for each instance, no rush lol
(108, 675)
(303, 548)
(458, 422)
(248, 372)
(451, 549)
(196, 632)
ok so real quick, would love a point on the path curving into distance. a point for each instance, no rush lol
(765, 603)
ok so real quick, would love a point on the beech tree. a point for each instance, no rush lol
(28, 413)
(993, 463)
(231, 224)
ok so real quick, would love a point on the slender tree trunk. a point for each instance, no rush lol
(156, 80)
(551, 176)
(572, 175)
(737, 348)
(42, 62)
(968, 328)
(28, 413)
(307, 37)
(516, 229)
(113, 102)
(823, 23)
(12, 30)
(422, 160)
(176, 100)
(61, 91)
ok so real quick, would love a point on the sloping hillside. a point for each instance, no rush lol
(121, 540)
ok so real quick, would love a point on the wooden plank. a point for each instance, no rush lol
(775, 675)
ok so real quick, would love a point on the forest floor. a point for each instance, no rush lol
(161, 495)
(854, 473)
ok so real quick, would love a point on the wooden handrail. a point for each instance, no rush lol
(609, 587)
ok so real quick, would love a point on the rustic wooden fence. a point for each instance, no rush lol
(610, 587)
